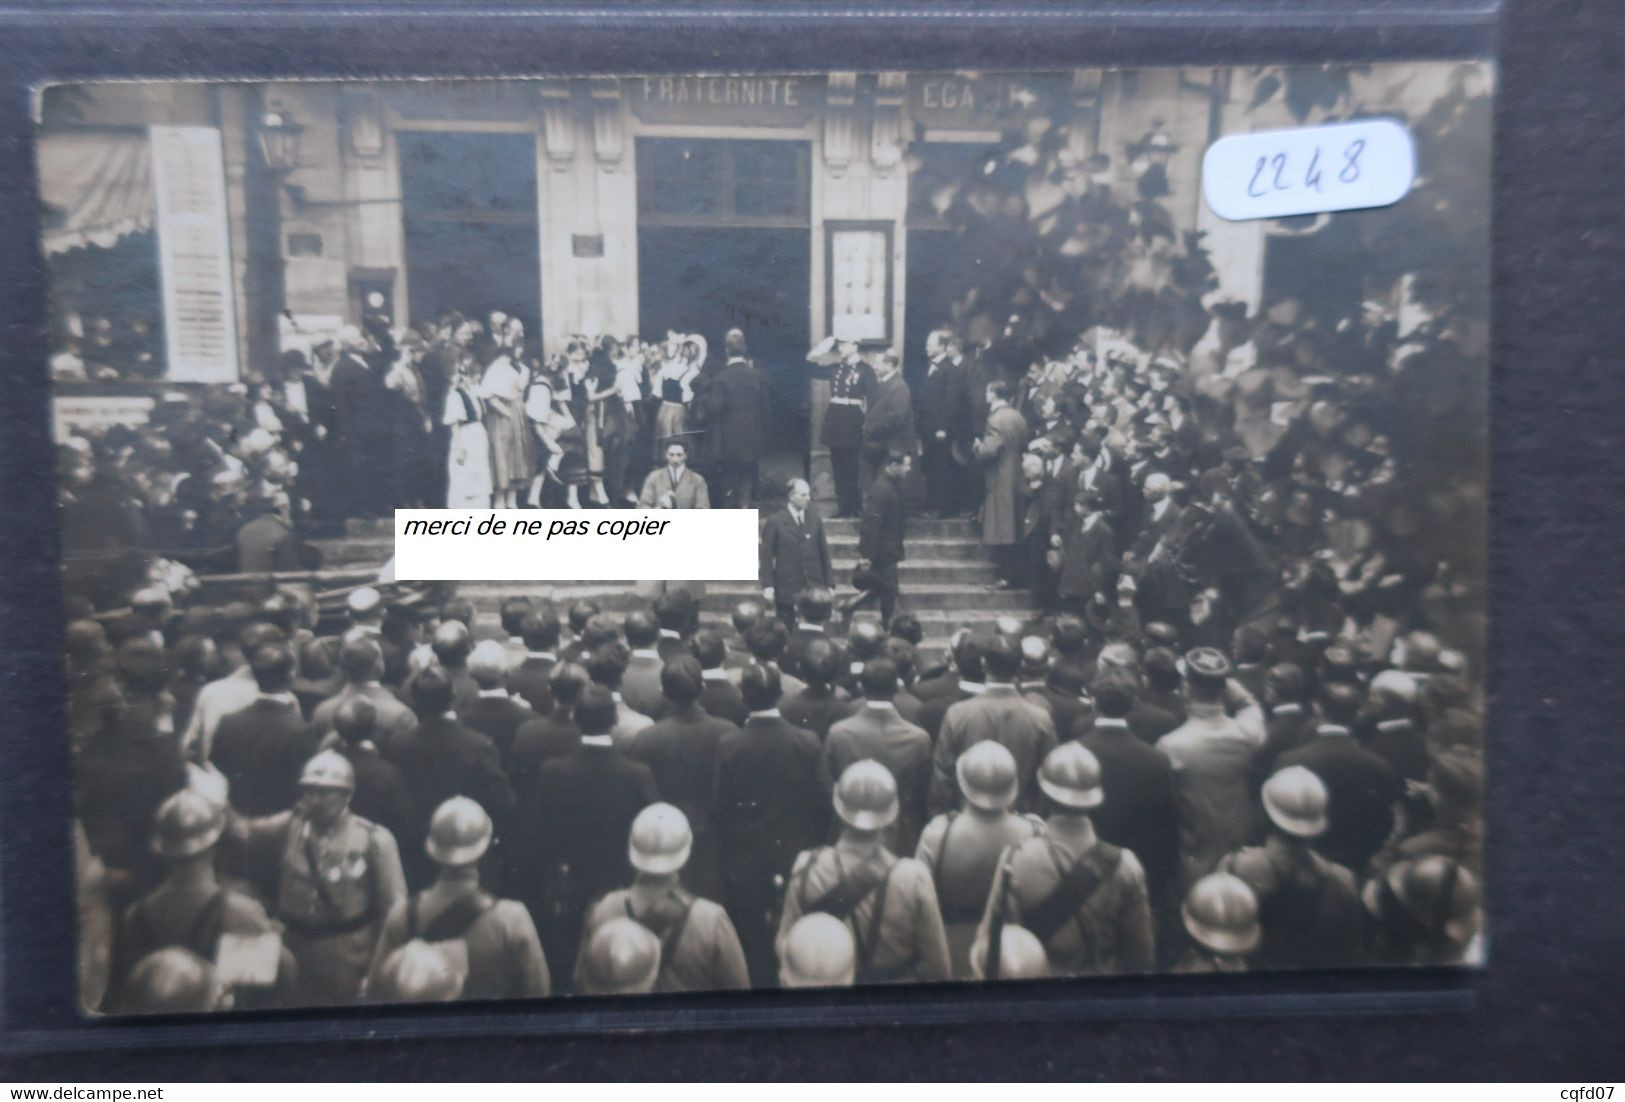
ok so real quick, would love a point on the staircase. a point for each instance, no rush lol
(943, 579)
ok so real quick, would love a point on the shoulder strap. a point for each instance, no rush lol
(942, 846)
(849, 891)
(206, 927)
(459, 916)
(1076, 887)
(869, 939)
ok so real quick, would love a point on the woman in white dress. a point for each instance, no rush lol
(468, 466)
(674, 388)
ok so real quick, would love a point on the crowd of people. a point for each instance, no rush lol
(1241, 727)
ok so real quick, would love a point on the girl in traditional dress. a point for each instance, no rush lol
(550, 420)
(468, 466)
(606, 433)
(674, 387)
(502, 389)
(582, 453)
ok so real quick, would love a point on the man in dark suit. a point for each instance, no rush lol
(493, 712)
(1138, 813)
(888, 423)
(876, 731)
(552, 735)
(718, 696)
(1089, 553)
(677, 613)
(585, 803)
(681, 751)
(963, 681)
(262, 748)
(737, 426)
(1058, 687)
(1362, 787)
(814, 607)
(880, 535)
(794, 552)
(943, 419)
(530, 678)
(441, 758)
(640, 684)
(819, 703)
(772, 800)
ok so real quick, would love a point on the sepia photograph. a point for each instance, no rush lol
(1122, 594)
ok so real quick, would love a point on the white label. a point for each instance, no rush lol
(567, 545)
(1308, 170)
(194, 253)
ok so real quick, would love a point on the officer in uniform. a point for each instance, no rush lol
(337, 876)
(699, 949)
(818, 953)
(503, 954)
(621, 958)
(849, 387)
(962, 848)
(1220, 914)
(1310, 912)
(1083, 898)
(191, 910)
(889, 902)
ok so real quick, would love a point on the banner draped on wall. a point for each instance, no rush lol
(194, 251)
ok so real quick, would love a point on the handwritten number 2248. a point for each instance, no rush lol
(1271, 172)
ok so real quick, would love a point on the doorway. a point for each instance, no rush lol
(469, 216)
(724, 241)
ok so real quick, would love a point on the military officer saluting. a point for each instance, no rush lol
(699, 949)
(889, 902)
(337, 876)
(1083, 898)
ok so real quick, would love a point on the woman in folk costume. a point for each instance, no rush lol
(674, 387)
(502, 389)
(635, 369)
(607, 421)
(582, 453)
(547, 411)
(468, 470)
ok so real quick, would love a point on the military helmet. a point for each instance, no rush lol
(1221, 913)
(621, 958)
(1070, 776)
(1295, 800)
(819, 952)
(329, 769)
(661, 839)
(459, 832)
(866, 797)
(1439, 893)
(1021, 956)
(188, 823)
(173, 981)
(420, 972)
(987, 776)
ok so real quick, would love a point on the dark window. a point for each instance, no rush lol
(713, 182)
(473, 177)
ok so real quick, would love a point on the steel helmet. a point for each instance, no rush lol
(866, 797)
(1295, 800)
(987, 776)
(819, 952)
(661, 839)
(1021, 956)
(420, 972)
(459, 833)
(621, 958)
(1439, 893)
(1221, 913)
(329, 769)
(188, 823)
(173, 981)
(1070, 776)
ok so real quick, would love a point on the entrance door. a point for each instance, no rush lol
(724, 241)
(938, 270)
(470, 220)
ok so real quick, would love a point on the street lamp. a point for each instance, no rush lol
(279, 142)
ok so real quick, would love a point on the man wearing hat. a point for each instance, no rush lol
(1429, 912)
(504, 956)
(190, 909)
(674, 486)
(336, 877)
(818, 952)
(889, 902)
(1085, 899)
(1309, 908)
(850, 383)
(699, 950)
(1220, 914)
(962, 848)
(1212, 757)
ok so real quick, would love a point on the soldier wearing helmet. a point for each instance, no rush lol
(1083, 898)
(1021, 957)
(174, 981)
(1220, 913)
(1428, 911)
(699, 948)
(1308, 908)
(962, 848)
(889, 903)
(191, 910)
(420, 972)
(336, 876)
(620, 958)
(501, 956)
(818, 952)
